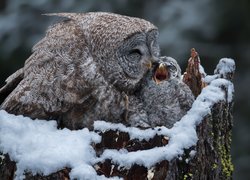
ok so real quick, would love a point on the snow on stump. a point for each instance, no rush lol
(196, 147)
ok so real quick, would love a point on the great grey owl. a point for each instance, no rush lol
(164, 96)
(84, 69)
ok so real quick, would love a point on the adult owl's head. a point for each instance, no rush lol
(122, 47)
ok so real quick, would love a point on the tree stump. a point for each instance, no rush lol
(208, 158)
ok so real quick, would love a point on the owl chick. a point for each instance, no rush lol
(84, 69)
(164, 96)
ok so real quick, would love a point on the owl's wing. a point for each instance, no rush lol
(56, 78)
(73, 16)
(11, 83)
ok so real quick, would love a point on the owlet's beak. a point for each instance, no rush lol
(161, 73)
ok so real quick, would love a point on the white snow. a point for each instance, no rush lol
(225, 65)
(134, 133)
(202, 71)
(39, 147)
(210, 78)
(192, 153)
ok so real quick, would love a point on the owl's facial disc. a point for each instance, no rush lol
(161, 73)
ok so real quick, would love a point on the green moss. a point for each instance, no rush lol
(230, 137)
(187, 176)
(215, 166)
(226, 161)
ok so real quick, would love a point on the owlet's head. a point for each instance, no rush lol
(166, 69)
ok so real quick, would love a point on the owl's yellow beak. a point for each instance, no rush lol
(149, 65)
(161, 73)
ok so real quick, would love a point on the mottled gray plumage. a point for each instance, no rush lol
(84, 69)
(167, 101)
(95, 66)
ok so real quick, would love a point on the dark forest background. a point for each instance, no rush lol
(216, 29)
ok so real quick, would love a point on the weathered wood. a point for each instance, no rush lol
(8, 168)
(193, 76)
(121, 140)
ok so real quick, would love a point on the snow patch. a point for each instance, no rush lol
(192, 153)
(202, 71)
(210, 78)
(225, 66)
(134, 133)
(38, 146)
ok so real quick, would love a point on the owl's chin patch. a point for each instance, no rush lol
(161, 74)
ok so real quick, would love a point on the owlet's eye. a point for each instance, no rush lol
(173, 71)
(172, 68)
